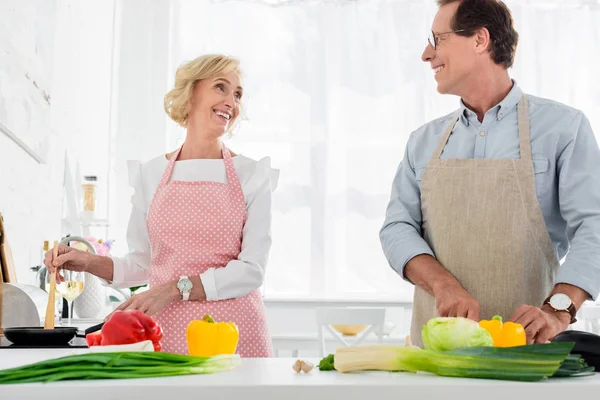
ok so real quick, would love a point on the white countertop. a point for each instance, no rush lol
(274, 379)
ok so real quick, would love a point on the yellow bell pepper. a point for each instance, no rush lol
(207, 338)
(508, 334)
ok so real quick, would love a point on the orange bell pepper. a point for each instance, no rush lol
(207, 338)
(507, 334)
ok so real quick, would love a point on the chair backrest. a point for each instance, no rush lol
(327, 316)
(590, 316)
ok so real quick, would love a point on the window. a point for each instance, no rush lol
(333, 90)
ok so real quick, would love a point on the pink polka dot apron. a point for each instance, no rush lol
(194, 226)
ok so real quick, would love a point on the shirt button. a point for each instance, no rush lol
(500, 115)
(482, 133)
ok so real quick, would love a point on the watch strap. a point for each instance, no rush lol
(184, 294)
(571, 309)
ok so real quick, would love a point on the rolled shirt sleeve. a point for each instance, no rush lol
(246, 273)
(578, 170)
(133, 269)
(401, 234)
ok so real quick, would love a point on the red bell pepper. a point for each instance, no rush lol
(126, 327)
(93, 339)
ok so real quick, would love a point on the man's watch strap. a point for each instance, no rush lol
(570, 309)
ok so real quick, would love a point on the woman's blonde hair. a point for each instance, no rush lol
(177, 100)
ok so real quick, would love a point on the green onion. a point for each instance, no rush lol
(523, 363)
(122, 365)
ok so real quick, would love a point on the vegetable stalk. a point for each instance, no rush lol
(524, 363)
(122, 365)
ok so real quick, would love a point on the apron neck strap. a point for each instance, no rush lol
(229, 168)
(523, 122)
(232, 177)
(440, 147)
(169, 170)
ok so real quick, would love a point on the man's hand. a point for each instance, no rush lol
(454, 301)
(541, 324)
(451, 299)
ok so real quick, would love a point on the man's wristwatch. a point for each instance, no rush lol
(185, 287)
(562, 302)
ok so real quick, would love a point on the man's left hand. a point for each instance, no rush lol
(541, 324)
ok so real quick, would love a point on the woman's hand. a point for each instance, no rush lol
(68, 258)
(152, 300)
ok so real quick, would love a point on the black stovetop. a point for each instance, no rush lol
(77, 343)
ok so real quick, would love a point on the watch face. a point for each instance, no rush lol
(185, 285)
(560, 301)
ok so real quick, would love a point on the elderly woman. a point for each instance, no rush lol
(199, 230)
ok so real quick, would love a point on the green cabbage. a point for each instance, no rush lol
(443, 334)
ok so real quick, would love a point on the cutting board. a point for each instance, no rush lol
(22, 305)
(1, 306)
(8, 273)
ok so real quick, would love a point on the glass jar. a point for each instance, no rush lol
(89, 198)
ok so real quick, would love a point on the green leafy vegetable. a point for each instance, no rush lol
(122, 365)
(443, 334)
(326, 364)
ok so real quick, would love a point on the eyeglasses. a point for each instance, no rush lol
(433, 39)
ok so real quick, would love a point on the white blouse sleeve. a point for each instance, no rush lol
(133, 269)
(245, 274)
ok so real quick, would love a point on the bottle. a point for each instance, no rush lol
(40, 273)
(89, 198)
(45, 248)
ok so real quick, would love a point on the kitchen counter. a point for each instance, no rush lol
(274, 379)
(77, 342)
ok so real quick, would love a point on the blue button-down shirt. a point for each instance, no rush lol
(566, 160)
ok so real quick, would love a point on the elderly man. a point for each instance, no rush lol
(488, 199)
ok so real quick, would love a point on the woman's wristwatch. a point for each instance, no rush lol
(185, 287)
(562, 302)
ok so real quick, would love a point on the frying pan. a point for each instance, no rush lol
(39, 337)
(48, 335)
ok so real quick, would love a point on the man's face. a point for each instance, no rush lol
(454, 58)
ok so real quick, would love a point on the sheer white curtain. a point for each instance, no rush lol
(333, 91)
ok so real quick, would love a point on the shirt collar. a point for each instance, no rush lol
(501, 109)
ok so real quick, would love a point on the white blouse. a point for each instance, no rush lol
(240, 276)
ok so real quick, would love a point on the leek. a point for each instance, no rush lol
(121, 365)
(574, 366)
(523, 363)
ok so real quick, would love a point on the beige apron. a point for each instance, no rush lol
(482, 219)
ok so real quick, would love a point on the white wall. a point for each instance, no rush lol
(31, 193)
